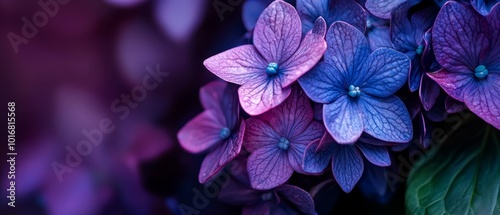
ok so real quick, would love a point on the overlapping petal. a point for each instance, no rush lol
(268, 168)
(259, 135)
(377, 155)
(322, 83)
(201, 133)
(347, 166)
(343, 120)
(298, 197)
(262, 94)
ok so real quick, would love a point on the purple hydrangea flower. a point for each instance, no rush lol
(347, 162)
(284, 199)
(218, 129)
(383, 8)
(468, 52)
(407, 36)
(357, 88)
(483, 6)
(331, 10)
(277, 59)
(277, 139)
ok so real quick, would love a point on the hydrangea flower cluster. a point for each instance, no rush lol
(370, 70)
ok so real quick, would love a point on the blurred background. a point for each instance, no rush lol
(70, 64)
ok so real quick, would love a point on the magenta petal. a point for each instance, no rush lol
(222, 155)
(237, 65)
(455, 84)
(458, 44)
(377, 155)
(299, 143)
(428, 92)
(386, 119)
(259, 135)
(268, 168)
(343, 120)
(211, 94)
(382, 8)
(484, 100)
(453, 106)
(298, 197)
(386, 71)
(201, 133)
(262, 94)
(310, 51)
(347, 49)
(278, 32)
(347, 166)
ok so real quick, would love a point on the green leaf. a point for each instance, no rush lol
(461, 177)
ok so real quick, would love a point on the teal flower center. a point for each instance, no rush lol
(369, 24)
(480, 72)
(266, 196)
(225, 133)
(354, 91)
(272, 68)
(284, 144)
(419, 49)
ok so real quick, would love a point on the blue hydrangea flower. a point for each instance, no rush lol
(347, 161)
(357, 88)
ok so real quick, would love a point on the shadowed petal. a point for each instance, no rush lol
(454, 106)
(494, 21)
(322, 83)
(259, 135)
(237, 65)
(200, 133)
(307, 55)
(347, 166)
(382, 8)
(278, 32)
(211, 94)
(458, 45)
(483, 6)
(347, 50)
(262, 94)
(379, 37)
(217, 159)
(454, 84)
(386, 71)
(377, 155)
(317, 156)
(310, 10)
(251, 12)
(268, 168)
(299, 143)
(386, 119)
(416, 73)
(231, 106)
(343, 120)
(298, 197)
(428, 92)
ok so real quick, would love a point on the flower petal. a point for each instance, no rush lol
(483, 6)
(386, 72)
(347, 50)
(347, 166)
(453, 83)
(377, 155)
(310, 51)
(317, 155)
(323, 83)
(459, 45)
(268, 168)
(428, 92)
(310, 10)
(237, 65)
(382, 8)
(343, 120)
(379, 37)
(453, 106)
(222, 155)
(298, 144)
(262, 94)
(201, 133)
(386, 119)
(298, 197)
(251, 12)
(211, 94)
(259, 135)
(278, 32)
(484, 100)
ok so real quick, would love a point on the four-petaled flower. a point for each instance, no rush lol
(277, 139)
(357, 88)
(469, 53)
(267, 69)
(218, 129)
